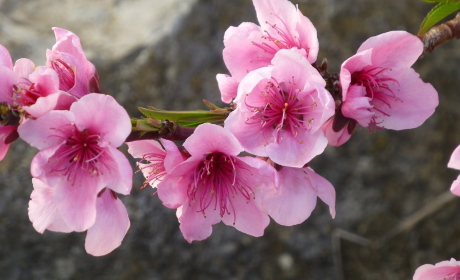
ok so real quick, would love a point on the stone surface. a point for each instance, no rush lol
(167, 56)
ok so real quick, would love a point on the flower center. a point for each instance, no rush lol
(282, 110)
(276, 39)
(155, 162)
(81, 155)
(217, 180)
(25, 93)
(378, 89)
(66, 73)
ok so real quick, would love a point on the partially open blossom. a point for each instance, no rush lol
(77, 75)
(249, 46)
(280, 111)
(104, 235)
(379, 87)
(214, 185)
(79, 155)
(156, 162)
(441, 271)
(291, 197)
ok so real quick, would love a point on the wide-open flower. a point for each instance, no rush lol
(291, 197)
(77, 75)
(280, 111)
(103, 236)
(249, 46)
(156, 162)
(441, 271)
(379, 87)
(214, 185)
(79, 155)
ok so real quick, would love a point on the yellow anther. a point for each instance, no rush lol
(75, 158)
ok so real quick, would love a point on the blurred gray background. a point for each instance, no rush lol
(166, 53)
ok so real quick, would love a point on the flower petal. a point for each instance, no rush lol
(5, 58)
(324, 189)
(43, 211)
(102, 114)
(228, 87)
(56, 101)
(111, 225)
(23, 67)
(193, 224)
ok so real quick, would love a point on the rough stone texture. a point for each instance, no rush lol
(380, 178)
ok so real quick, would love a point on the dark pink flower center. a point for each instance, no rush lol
(378, 89)
(218, 180)
(66, 73)
(155, 162)
(81, 155)
(25, 93)
(283, 111)
(276, 39)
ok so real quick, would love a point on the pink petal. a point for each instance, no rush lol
(454, 161)
(228, 87)
(294, 200)
(172, 190)
(354, 64)
(5, 58)
(111, 225)
(335, 138)
(455, 188)
(240, 55)
(102, 114)
(442, 270)
(324, 189)
(5, 131)
(307, 36)
(119, 179)
(173, 157)
(56, 101)
(139, 148)
(68, 42)
(46, 80)
(357, 106)
(77, 203)
(252, 82)
(247, 217)
(210, 138)
(269, 12)
(43, 212)
(40, 163)
(291, 66)
(7, 80)
(41, 133)
(416, 102)
(23, 67)
(193, 224)
(394, 49)
(297, 151)
(250, 135)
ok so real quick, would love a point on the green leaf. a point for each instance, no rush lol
(438, 13)
(186, 118)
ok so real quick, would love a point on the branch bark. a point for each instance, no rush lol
(440, 34)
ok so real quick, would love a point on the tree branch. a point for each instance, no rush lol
(440, 34)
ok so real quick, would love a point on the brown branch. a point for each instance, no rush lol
(440, 34)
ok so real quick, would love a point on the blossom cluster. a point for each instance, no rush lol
(284, 110)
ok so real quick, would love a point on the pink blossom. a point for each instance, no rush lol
(104, 235)
(249, 46)
(78, 156)
(379, 87)
(280, 111)
(291, 197)
(440, 271)
(214, 185)
(77, 75)
(156, 162)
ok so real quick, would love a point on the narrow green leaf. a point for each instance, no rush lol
(438, 13)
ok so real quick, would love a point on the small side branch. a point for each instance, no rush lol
(440, 34)
(169, 130)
